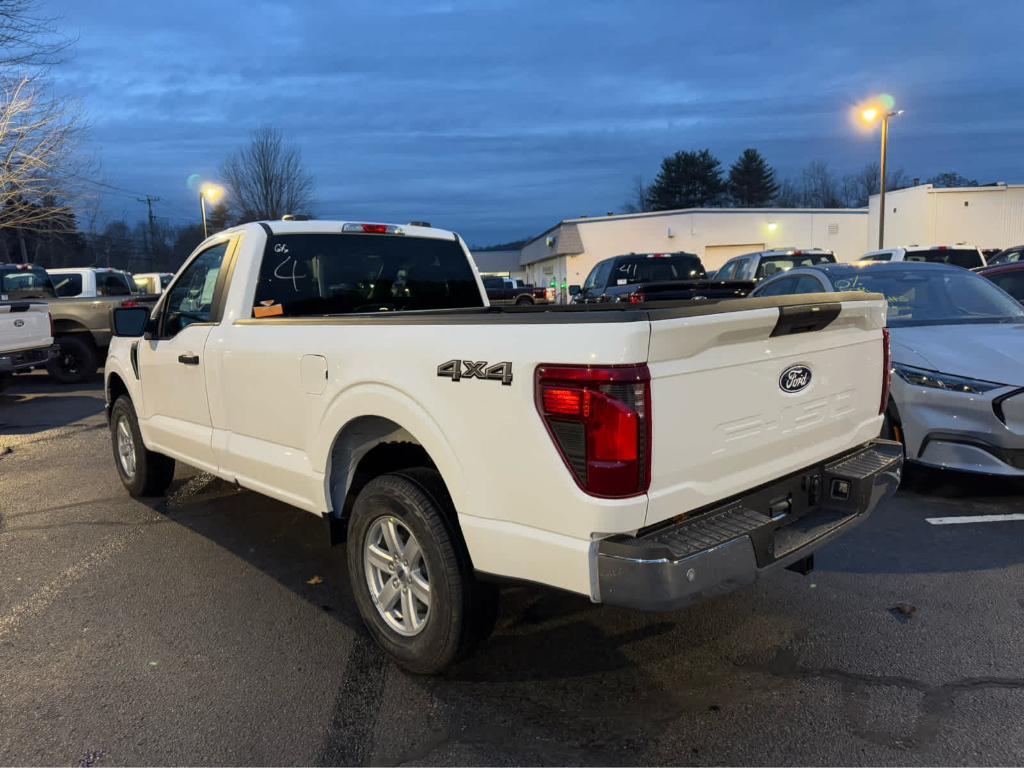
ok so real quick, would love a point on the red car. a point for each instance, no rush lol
(1009, 277)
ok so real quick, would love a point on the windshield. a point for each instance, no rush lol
(968, 258)
(26, 284)
(657, 269)
(773, 265)
(328, 274)
(926, 296)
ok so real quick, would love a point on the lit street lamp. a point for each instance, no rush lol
(213, 193)
(869, 115)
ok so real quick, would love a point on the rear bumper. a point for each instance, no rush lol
(26, 359)
(718, 550)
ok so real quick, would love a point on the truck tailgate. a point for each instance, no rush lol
(723, 420)
(24, 325)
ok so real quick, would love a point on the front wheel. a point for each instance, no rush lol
(143, 472)
(410, 574)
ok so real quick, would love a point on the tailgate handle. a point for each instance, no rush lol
(803, 318)
(189, 359)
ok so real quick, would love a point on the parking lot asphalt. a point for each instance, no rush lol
(215, 627)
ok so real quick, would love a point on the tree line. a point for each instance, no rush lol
(696, 179)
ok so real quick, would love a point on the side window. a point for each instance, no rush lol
(191, 297)
(782, 287)
(598, 277)
(745, 269)
(728, 272)
(807, 284)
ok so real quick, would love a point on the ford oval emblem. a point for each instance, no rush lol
(18, 323)
(795, 378)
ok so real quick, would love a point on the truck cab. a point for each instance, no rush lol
(91, 282)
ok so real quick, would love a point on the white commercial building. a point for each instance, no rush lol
(567, 251)
(988, 217)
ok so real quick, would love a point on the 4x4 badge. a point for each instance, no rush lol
(457, 370)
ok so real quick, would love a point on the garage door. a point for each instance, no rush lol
(716, 255)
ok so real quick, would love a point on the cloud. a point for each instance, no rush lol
(501, 117)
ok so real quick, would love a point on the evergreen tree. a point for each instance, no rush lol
(686, 180)
(752, 180)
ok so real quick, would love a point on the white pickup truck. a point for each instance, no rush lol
(26, 330)
(641, 455)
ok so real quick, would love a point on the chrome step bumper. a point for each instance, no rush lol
(715, 551)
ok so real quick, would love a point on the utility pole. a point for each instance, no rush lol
(151, 236)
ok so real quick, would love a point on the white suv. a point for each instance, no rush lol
(966, 256)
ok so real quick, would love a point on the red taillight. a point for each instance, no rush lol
(886, 370)
(637, 298)
(600, 421)
(375, 229)
(129, 303)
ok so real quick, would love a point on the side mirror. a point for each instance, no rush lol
(574, 290)
(131, 322)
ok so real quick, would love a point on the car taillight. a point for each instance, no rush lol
(373, 229)
(129, 303)
(886, 370)
(637, 298)
(600, 421)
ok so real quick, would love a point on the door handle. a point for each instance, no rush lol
(189, 359)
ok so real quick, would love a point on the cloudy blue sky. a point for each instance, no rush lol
(499, 118)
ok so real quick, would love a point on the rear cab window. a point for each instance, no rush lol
(17, 284)
(67, 285)
(113, 284)
(656, 269)
(338, 274)
(773, 265)
(968, 258)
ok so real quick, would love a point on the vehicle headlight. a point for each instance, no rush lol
(922, 377)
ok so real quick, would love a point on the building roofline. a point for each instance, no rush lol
(687, 211)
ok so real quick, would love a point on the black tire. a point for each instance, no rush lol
(153, 471)
(462, 610)
(75, 361)
(523, 301)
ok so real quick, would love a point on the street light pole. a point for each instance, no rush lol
(214, 193)
(869, 115)
(202, 205)
(881, 191)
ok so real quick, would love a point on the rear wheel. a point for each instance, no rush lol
(76, 360)
(143, 472)
(523, 301)
(410, 573)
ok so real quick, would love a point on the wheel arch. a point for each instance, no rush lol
(376, 431)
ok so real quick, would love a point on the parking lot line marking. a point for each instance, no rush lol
(975, 519)
(45, 595)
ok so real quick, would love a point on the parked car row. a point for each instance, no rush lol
(79, 313)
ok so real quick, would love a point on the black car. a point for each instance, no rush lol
(1008, 256)
(640, 277)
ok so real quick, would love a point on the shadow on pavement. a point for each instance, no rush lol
(35, 403)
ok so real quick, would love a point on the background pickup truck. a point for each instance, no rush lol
(639, 277)
(26, 340)
(354, 370)
(81, 325)
(90, 282)
(506, 290)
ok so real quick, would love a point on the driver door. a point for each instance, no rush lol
(176, 407)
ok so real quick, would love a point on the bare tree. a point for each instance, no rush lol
(29, 39)
(266, 179)
(38, 137)
(637, 202)
(819, 186)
